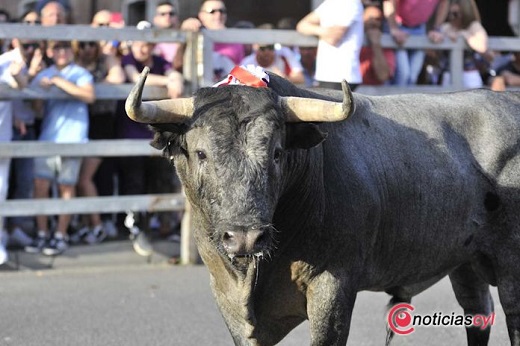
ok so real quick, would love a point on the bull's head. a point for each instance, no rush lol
(230, 147)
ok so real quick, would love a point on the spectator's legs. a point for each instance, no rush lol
(66, 192)
(132, 179)
(416, 63)
(22, 179)
(86, 186)
(408, 63)
(68, 175)
(162, 179)
(4, 184)
(41, 190)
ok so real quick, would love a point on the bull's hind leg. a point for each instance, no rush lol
(396, 299)
(508, 282)
(474, 296)
(404, 294)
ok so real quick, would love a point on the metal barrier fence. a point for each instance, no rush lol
(198, 72)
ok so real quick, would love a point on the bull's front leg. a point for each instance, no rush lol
(329, 307)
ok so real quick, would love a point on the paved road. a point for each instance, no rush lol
(106, 295)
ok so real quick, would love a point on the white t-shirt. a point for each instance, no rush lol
(279, 63)
(6, 107)
(335, 63)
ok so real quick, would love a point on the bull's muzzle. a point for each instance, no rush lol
(242, 242)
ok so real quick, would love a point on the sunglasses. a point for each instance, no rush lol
(215, 10)
(91, 44)
(454, 14)
(264, 48)
(31, 22)
(61, 46)
(32, 45)
(164, 14)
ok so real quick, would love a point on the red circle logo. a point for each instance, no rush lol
(400, 319)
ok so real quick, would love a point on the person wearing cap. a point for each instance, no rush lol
(64, 121)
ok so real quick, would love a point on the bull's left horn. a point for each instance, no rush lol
(155, 112)
(299, 109)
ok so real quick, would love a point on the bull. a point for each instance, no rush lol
(302, 198)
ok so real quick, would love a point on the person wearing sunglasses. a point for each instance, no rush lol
(283, 63)
(167, 18)
(102, 19)
(212, 16)
(464, 21)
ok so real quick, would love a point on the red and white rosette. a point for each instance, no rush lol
(250, 75)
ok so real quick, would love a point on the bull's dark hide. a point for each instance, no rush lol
(292, 219)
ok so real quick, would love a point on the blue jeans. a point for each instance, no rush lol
(408, 63)
(22, 176)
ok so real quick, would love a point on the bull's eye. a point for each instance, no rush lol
(201, 155)
(277, 155)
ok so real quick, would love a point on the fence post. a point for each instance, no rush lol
(189, 252)
(456, 64)
(190, 61)
(206, 59)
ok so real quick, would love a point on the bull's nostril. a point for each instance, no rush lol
(227, 236)
(261, 239)
(245, 242)
(231, 242)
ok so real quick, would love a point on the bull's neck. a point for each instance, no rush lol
(301, 204)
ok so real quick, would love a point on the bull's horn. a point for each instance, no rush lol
(299, 109)
(154, 112)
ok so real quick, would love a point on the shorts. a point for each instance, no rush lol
(65, 170)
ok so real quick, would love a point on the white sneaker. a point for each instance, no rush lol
(80, 235)
(96, 235)
(3, 242)
(19, 238)
(176, 238)
(110, 229)
(154, 222)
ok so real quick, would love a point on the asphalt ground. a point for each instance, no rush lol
(108, 295)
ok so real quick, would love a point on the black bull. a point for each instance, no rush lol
(296, 210)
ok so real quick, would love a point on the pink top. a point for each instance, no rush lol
(414, 12)
(234, 51)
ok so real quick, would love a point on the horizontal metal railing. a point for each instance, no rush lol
(198, 72)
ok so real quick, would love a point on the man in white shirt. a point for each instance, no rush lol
(339, 26)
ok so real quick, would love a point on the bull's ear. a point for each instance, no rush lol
(303, 135)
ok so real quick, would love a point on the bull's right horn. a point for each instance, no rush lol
(300, 109)
(155, 112)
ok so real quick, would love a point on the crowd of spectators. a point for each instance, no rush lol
(349, 48)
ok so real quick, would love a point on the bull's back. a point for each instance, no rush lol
(412, 172)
